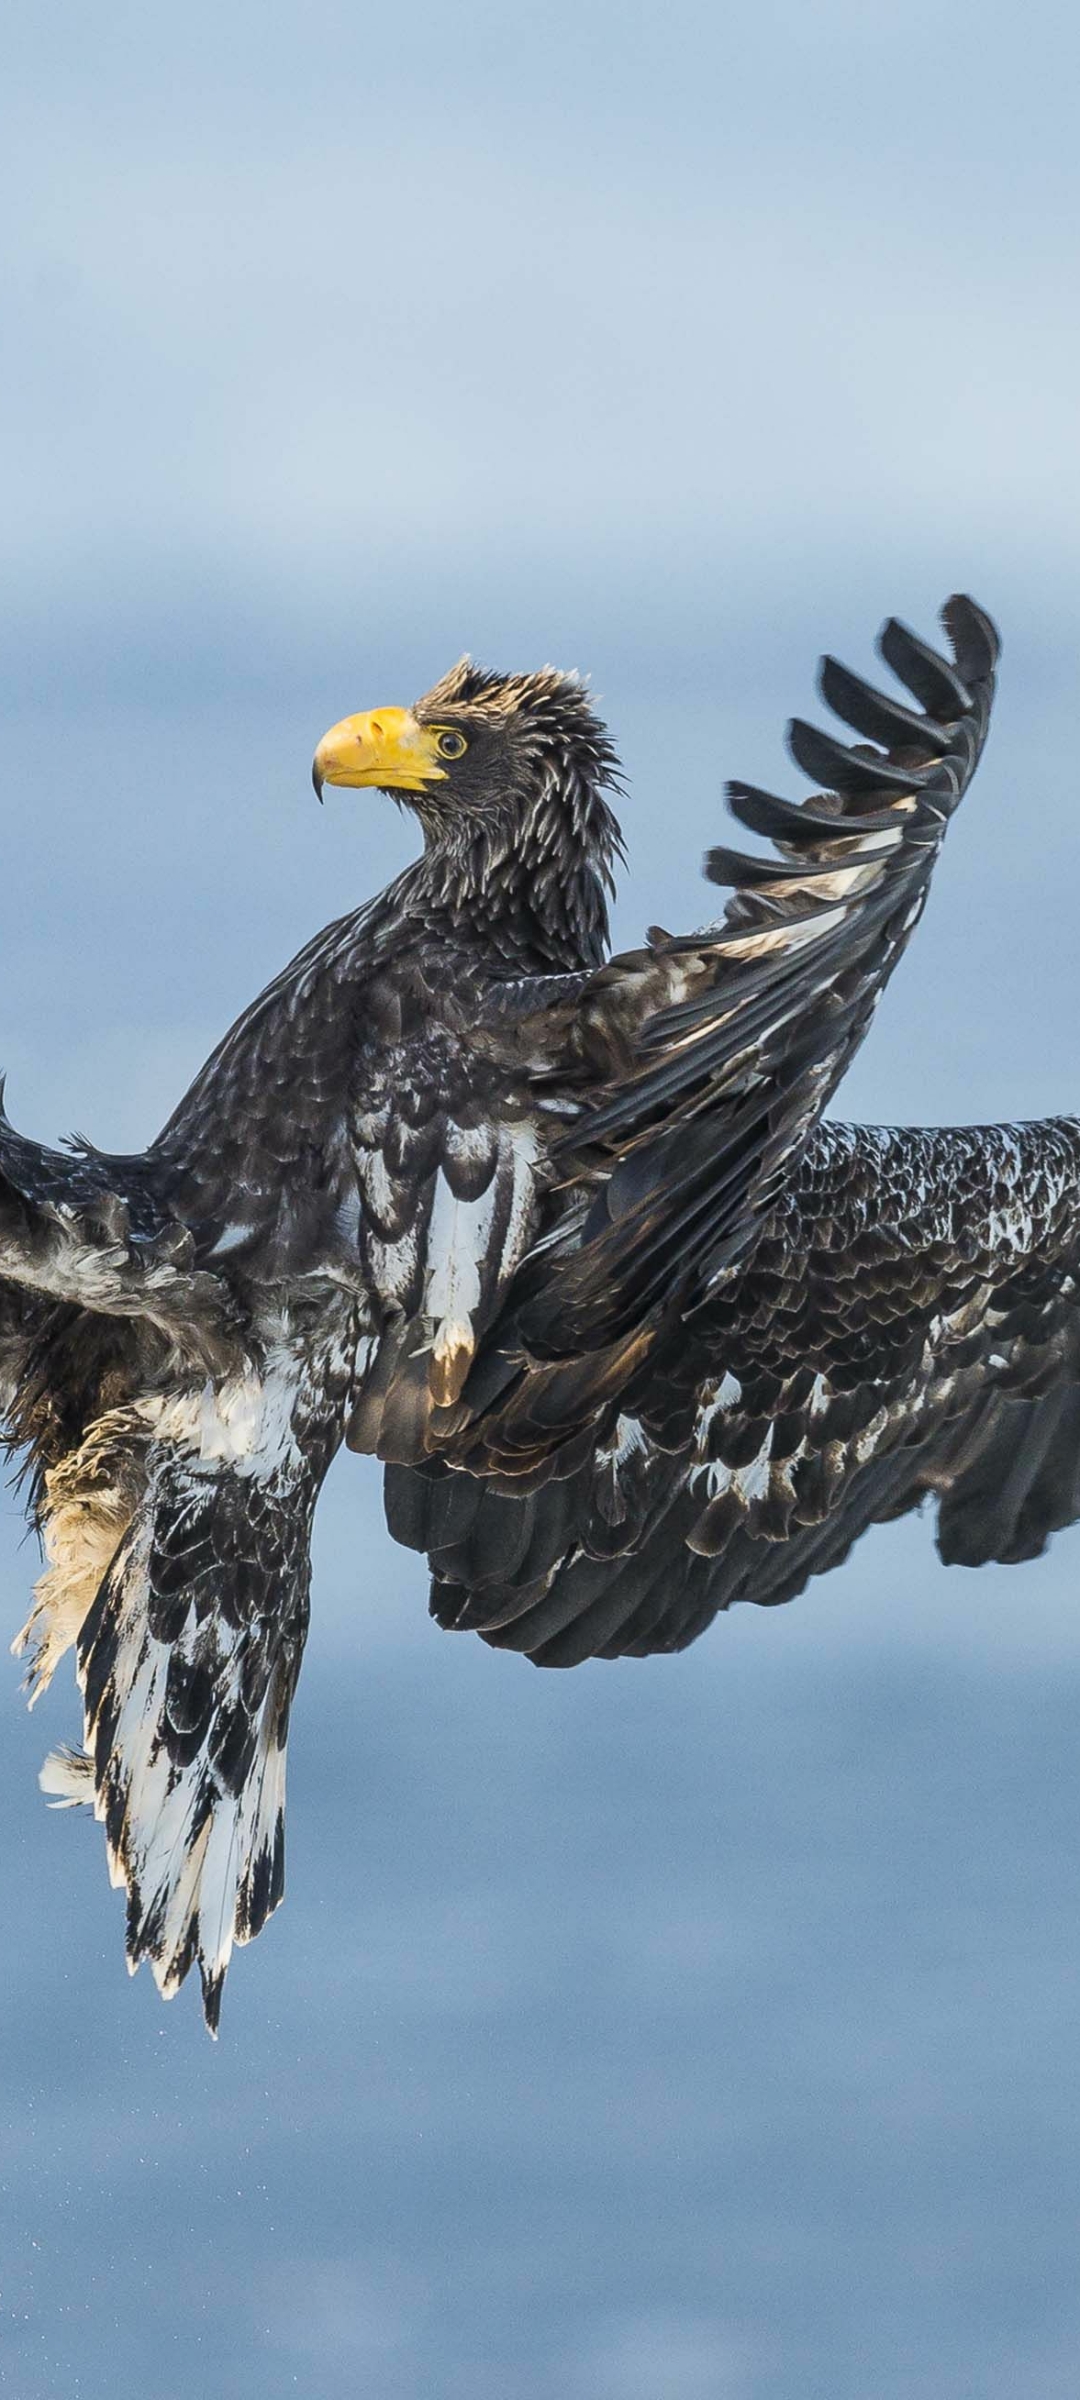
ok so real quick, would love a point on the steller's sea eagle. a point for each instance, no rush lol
(561, 1238)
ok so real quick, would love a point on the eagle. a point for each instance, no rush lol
(565, 1239)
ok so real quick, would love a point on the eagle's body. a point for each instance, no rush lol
(564, 1242)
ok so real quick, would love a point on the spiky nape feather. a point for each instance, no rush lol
(527, 856)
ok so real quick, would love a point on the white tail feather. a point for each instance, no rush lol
(67, 1779)
(188, 1654)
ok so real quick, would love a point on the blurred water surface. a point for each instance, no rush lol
(690, 2030)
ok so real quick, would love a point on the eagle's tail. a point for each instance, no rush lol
(188, 1657)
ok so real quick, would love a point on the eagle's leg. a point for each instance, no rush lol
(86, 1505)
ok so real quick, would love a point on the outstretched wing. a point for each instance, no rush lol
(702, 1063)
(909, 1325)
(89, 1230)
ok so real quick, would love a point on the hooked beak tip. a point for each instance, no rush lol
(317, 782)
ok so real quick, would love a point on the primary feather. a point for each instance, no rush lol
(561, 1238)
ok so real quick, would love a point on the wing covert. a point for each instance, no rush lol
(908, 1326)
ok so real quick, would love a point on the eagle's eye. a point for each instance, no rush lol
(451, 745)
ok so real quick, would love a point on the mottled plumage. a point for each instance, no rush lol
(560, 1238)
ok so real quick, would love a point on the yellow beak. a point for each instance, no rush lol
(385, 747)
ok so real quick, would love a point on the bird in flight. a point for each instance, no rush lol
(564, 1239)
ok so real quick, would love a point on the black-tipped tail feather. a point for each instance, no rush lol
(188, 1660)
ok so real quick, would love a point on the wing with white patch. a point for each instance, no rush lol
(712, 1056)
(450, 1165)
(910, 1324)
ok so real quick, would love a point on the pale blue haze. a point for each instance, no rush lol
(697, 2030)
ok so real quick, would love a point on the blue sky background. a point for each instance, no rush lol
(696, 2030)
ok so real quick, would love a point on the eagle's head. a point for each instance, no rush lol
(507, 775)
(477, 745)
